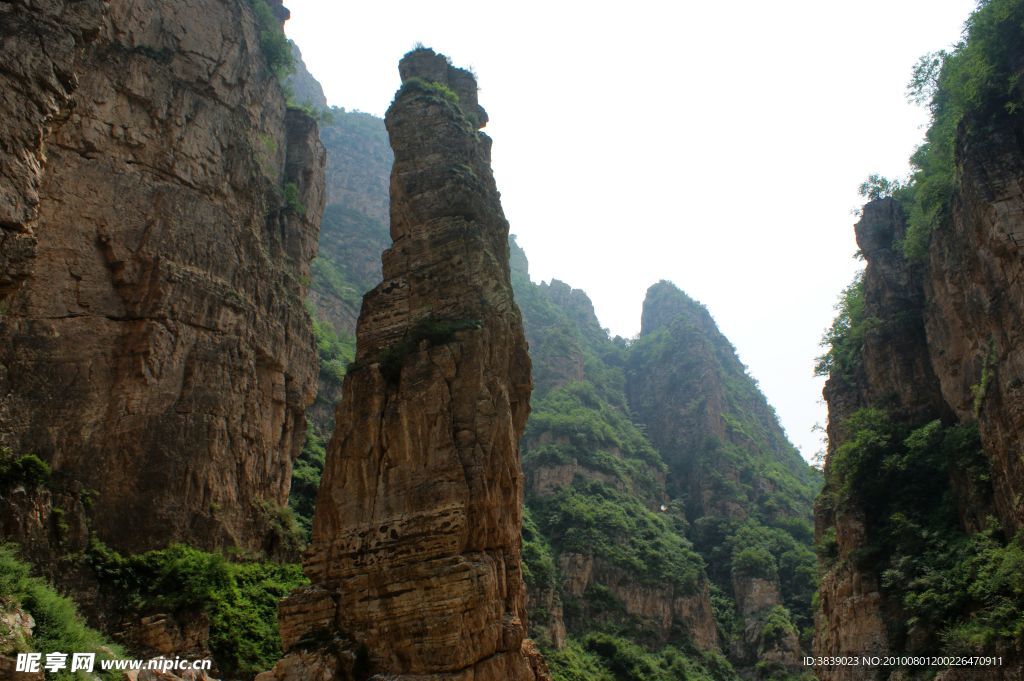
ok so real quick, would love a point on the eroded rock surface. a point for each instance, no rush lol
(415, 553)
(943, 343)
(159, 210)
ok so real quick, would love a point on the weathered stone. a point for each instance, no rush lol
(416, 532)
(163, 634)
(153, 342)
(944, 343)
(975, 311)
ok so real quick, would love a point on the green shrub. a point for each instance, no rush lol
(28, 470)
(978, 80)
(845, 338)
(59, 627)
(776, 625)
(239, 598)
(430, 87)
(291, 199)
(273, 42)
(754, 561)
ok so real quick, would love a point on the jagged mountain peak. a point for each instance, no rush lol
(665, 303)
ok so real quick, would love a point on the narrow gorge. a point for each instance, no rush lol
(278, 390)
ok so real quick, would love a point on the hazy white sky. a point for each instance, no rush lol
(715, 144)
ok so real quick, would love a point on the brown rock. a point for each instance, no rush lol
(975, 312)
(416, 532)
(945, 344)
(153, 342)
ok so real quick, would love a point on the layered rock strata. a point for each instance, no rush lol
(943, 343)
(896, 370)
(415, 554)
(159, 208)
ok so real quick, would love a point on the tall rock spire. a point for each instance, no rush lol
(415, 555)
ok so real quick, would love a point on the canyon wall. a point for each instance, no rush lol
(924, 474)
(159, 210)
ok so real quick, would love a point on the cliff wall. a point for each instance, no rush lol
(159, 210)
(923, 475)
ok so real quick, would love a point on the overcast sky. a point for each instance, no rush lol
(715, 144)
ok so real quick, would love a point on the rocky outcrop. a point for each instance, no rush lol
(975, 310)
(703, 412)
(160, 208)
(659, 609)
(415, 553)
(942, 342)
(895, 370)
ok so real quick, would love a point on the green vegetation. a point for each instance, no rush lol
(879, 187)
(630, 505)
(273, 42)
(28, 471)
(431, 330)
(977, 81)
(321, 116)
(239, 598)
(959, 593)
(58, 627)
(591, 518)
(430, 87)
(291, 199)
(845, 338)
(980, 389)
(538, 563)
(306, 474)
(336, 351)
(606, 657)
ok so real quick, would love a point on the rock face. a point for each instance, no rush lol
(975, 305)
(730, 466)
(943, 344)
(159, 210)
(415, 553)
(896, 369)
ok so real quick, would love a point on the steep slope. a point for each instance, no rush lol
(160, 213)
(353, 234)
(612, 553)
(415, 554)
(919, 523)
(741, 486)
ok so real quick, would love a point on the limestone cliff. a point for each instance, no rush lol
(924, 481)
(894, 368)
(159, 206)
(415, 554)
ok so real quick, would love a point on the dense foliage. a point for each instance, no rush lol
(601, 489)
(240, 598)
(27, 470)
(844, 339)
(957, 593)
(979, 80)
(592, 518)
(273, 42)
(58, 626)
